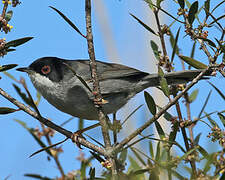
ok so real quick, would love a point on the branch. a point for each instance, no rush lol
(157, 116)
(94, 75)
(52, 125)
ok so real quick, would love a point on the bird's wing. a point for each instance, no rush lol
(106, 71)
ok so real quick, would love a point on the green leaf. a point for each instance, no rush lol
(208, 164)
(160, 72)
(17, 42)
(7, 110)
(8, 15)
(193, 95)
(181, 3)
(207, 7)
(10, 50)
(203, 151)
(174, 44)
(219, 92)
(92, 173)
(37, 176)
(149, 3)
(193, 50)
(222, 118)
(188, 153)
(192, 62)
(138, 156)
(212, 122)
(164, 86)
(150, 102)
(197, 138)
(10, 76)
(223, 176)
(140, 171)
(26, 99)
(31, 131)
(144, 25)
(211, 43)
(155, 49)
(173, 133)
(192, 11)
(159, 130)
(151, 149)
(205, 103)
(159, 2)
(158, 152)
(123, 156)
(134, 165)
(68, 21)
(7, 67)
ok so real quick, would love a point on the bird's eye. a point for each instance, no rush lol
(45, 69)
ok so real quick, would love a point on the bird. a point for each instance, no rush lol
(54, 78)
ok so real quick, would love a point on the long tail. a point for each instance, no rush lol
(174, 77)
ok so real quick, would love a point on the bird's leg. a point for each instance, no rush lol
(78, 134)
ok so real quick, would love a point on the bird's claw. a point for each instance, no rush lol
(75, 138)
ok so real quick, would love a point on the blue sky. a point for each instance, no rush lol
(130, 45)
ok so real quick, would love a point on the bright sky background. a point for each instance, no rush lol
(54, 37)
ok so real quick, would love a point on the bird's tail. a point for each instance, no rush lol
(173, 78)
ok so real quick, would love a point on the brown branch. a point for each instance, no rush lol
(161, 112)
(4, 8)
(52, 125)
(94, 75)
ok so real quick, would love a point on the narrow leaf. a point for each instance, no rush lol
(203, 151)
(150, 102)
(151, 149)
(192, 62)
(165, 87)
(138, 156)
(6, 110)
(68, 21)
(123, 156)
(211, 43)
(193, 95)
(205, 103)
(175, 47)
(144, 25)
(8, 16)
(158, 2)
(193, 10)
(220, 93)
(173, 133)
(159, 130)
(17, 42)
(140, 171)
(7, 67)
(37, 176)
(23, 96)
(197, 138)
(212, 122)
(31, 131)
(207, 7)
(181, 3)
(208, 164)
(158, 152)
(222, 118)
(155, 49)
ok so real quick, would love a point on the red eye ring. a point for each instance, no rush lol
(46, 69)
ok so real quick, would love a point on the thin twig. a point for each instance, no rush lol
(161, 112)
(52, 125)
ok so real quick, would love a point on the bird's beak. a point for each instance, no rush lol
(24, 69)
